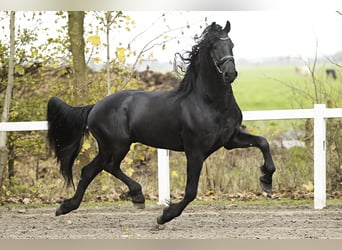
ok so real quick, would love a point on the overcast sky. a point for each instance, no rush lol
(255, 33)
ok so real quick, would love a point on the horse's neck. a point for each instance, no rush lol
(211, 88)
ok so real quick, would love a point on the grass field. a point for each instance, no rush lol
(281, 87)
(257, 89)
(265, 88)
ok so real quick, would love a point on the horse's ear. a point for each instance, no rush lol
(227, 28)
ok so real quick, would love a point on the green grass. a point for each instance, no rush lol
(273, 87)
(257, 89)
(264, 87)
(261, 201)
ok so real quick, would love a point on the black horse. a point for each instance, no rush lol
(331, 73)
(198, 117)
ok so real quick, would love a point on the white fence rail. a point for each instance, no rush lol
(23, 126)
(319, 113)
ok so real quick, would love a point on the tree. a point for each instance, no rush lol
(77, 45)
(8, 96)
(109, 18)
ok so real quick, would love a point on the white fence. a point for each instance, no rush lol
(319, 113)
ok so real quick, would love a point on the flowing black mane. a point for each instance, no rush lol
(189, 63)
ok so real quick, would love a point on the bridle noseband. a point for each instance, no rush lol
(223, 59)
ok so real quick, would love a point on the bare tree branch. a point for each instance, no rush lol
(151, 44)
(333, 62)
(145, 30)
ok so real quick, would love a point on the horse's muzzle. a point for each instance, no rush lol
(229, 72)
(230, 76)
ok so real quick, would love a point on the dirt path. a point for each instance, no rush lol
(196, 222)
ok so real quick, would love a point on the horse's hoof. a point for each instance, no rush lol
(59, 211)
(160, 221)
(139, 205)
(157, 227)
(265, 186)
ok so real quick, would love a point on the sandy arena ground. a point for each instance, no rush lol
(196, 222)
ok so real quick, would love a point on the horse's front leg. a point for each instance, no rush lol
(245, 140)
(194, 166)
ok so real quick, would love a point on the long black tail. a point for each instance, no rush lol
(66, 128)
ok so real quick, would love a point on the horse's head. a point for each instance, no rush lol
(221, 52)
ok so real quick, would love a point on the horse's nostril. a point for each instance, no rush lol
(229, 74)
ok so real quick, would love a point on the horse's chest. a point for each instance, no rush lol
(217, 126)
(225, 119)
(210, 126)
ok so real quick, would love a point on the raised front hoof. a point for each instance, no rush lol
(139, 205)
(265, 184)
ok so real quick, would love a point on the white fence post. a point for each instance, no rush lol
(163, 177)
(319, 156)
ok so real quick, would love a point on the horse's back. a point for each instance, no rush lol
(155, 120)
(137, 116)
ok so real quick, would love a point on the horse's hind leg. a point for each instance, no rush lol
(87, 175)
(244, 140)
(135, 190)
